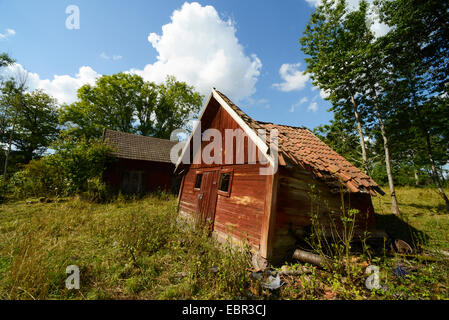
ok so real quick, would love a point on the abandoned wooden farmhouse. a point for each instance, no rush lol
(143, 163)
(269, 211)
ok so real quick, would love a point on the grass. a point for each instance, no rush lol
(424, 212)
(137, 249)
(124, 250)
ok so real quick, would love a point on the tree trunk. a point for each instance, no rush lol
(8, 151)
(362, 137)
(416, 177)
(360, 131)
(434, 174)
(394, 202)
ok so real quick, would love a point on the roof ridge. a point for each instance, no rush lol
(328, 158)
(139, 135)
(233, 104)
(284, 125)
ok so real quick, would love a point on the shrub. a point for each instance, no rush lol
(80, 161)
(3, 189)
(97, 190)
(75, 167)
(38, 178)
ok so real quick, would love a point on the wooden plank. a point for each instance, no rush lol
(267, 231)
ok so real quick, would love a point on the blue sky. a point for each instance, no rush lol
(250, 50)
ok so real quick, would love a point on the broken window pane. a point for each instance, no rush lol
(224, 182)
(199, 178)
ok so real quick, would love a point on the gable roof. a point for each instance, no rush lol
(136, 147)
(299, 146)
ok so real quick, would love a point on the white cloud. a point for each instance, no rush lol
(107, 57)
(313, 3)
(313, 107)
(300, 102)
(8, 33)
(324, 94)
(377, 27)
(200, 48)
(197, 47)
(63, 88)
(294, 79)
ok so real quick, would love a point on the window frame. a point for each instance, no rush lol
(196, 177)
(231, 175)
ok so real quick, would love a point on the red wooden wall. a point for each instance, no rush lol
(158, 174)
(242, 212)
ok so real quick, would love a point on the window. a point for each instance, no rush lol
(132, 182)
(199, 178)
(224, 185)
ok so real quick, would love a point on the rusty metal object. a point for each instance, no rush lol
(400, 246)
(309, 257)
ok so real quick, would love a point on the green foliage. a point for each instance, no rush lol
(75, 167)
(332, 233)
(38, 178)
(28, 121)
(79, 161)
(98, 190)
(392, 89)
(3, 189)
(118, 100)
(5, 60)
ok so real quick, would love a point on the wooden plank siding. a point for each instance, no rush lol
(295, 202)
(158, 175)
(239, 215)
(272, 212)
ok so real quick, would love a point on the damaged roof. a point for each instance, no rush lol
(137, 147)
(299, 146)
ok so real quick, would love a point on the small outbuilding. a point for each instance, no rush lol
(266, 203)
(143, 163)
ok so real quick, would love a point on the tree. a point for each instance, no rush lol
(127, 103)
(333, 61)
(177, 103)
(345, 59)
(5, 60)
(30, 121)
(417, 51)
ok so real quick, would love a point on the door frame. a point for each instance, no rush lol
(207, 213)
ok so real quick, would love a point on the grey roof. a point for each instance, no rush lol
(136, 147)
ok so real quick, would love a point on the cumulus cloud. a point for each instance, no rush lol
(7, 34)
(377, 27)
(294, 79)
(324, 94)
(197, 47)
(300, 102)
(313, 107)
(63, 88)
(201, 48)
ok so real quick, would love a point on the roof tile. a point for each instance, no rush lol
(301, 146)
(136, 147)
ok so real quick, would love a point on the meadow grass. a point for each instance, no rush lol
(125, 250)
(139, 249)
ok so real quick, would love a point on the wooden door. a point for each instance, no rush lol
(207, 198)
